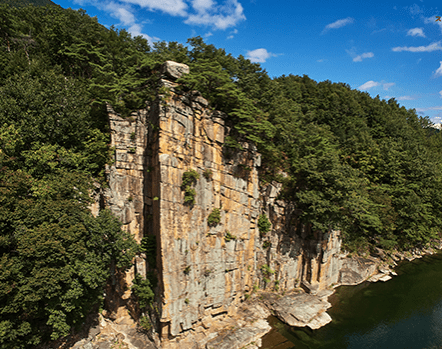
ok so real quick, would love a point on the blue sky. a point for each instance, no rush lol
(387, 48)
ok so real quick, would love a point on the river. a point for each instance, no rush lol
(403, 313)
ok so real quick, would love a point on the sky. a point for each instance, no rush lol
(387, 48)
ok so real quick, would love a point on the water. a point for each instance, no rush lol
(403, 313)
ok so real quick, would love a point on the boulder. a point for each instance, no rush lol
(174, 70)
(302, 310)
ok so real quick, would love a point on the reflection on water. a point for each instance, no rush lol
(405, 312)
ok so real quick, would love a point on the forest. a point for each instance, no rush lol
(366, 166)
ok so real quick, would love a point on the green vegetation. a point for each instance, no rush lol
(214, 217)
(266, 270)
(189, 178)
(187, 270)
(149, 247)
(266, 244)
(363, 165)
(229, 237)
(142, 288)
(207, 174)
(21, 3)
(145, 323)
(264, 224)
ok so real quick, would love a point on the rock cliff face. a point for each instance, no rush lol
(206, 267)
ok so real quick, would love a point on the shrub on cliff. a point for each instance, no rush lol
(264, 224)
(214, 217)
(189, 178)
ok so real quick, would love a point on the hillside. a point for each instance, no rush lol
(341, 160)
(23, 3)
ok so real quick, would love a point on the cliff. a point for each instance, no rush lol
(210, 254)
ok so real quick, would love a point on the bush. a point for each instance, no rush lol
(145, 323)
(214, 217)
(143, 290)
(207, 174)
(228, 237)
(264, 224)
(266, 270)
(189, 195)
(189, 178)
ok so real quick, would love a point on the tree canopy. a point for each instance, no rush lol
(366, 166)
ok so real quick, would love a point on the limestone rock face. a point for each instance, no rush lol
(202, 272)
(206, 270)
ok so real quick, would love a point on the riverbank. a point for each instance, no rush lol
(300, 308)
(405, 312)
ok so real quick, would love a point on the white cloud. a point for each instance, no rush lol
(219, 17)
(232, 34)
(171, 7)
(387, 85)
(429, 108)
(220, 14)
(135, 30)
(321, 60)
(406, 98)
(433, 20)
(440, 92)
(338, 24)
(368, 85)
(259, 55)
(359, 58)
(435, 46)
(202, 5)
(120, 12)
(438, 71)
(416, 32)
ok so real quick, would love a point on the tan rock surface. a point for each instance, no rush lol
(204, 277)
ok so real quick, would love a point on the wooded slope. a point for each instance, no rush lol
(366, 166)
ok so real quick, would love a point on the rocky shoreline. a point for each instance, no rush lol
(300, 309)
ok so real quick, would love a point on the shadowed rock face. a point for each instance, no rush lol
(203, 273)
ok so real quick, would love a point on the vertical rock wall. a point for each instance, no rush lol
(204, 271)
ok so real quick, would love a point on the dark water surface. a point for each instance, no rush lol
(403, 313)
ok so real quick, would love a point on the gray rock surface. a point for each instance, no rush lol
(302, 310)
(153, 149)
(238, 338)
(174, 70)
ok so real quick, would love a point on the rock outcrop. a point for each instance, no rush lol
(210, 255)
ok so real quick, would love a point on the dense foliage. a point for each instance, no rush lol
(347, 161)
(55, 257)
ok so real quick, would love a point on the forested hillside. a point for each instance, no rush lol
(366, 166)
(22, 3)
